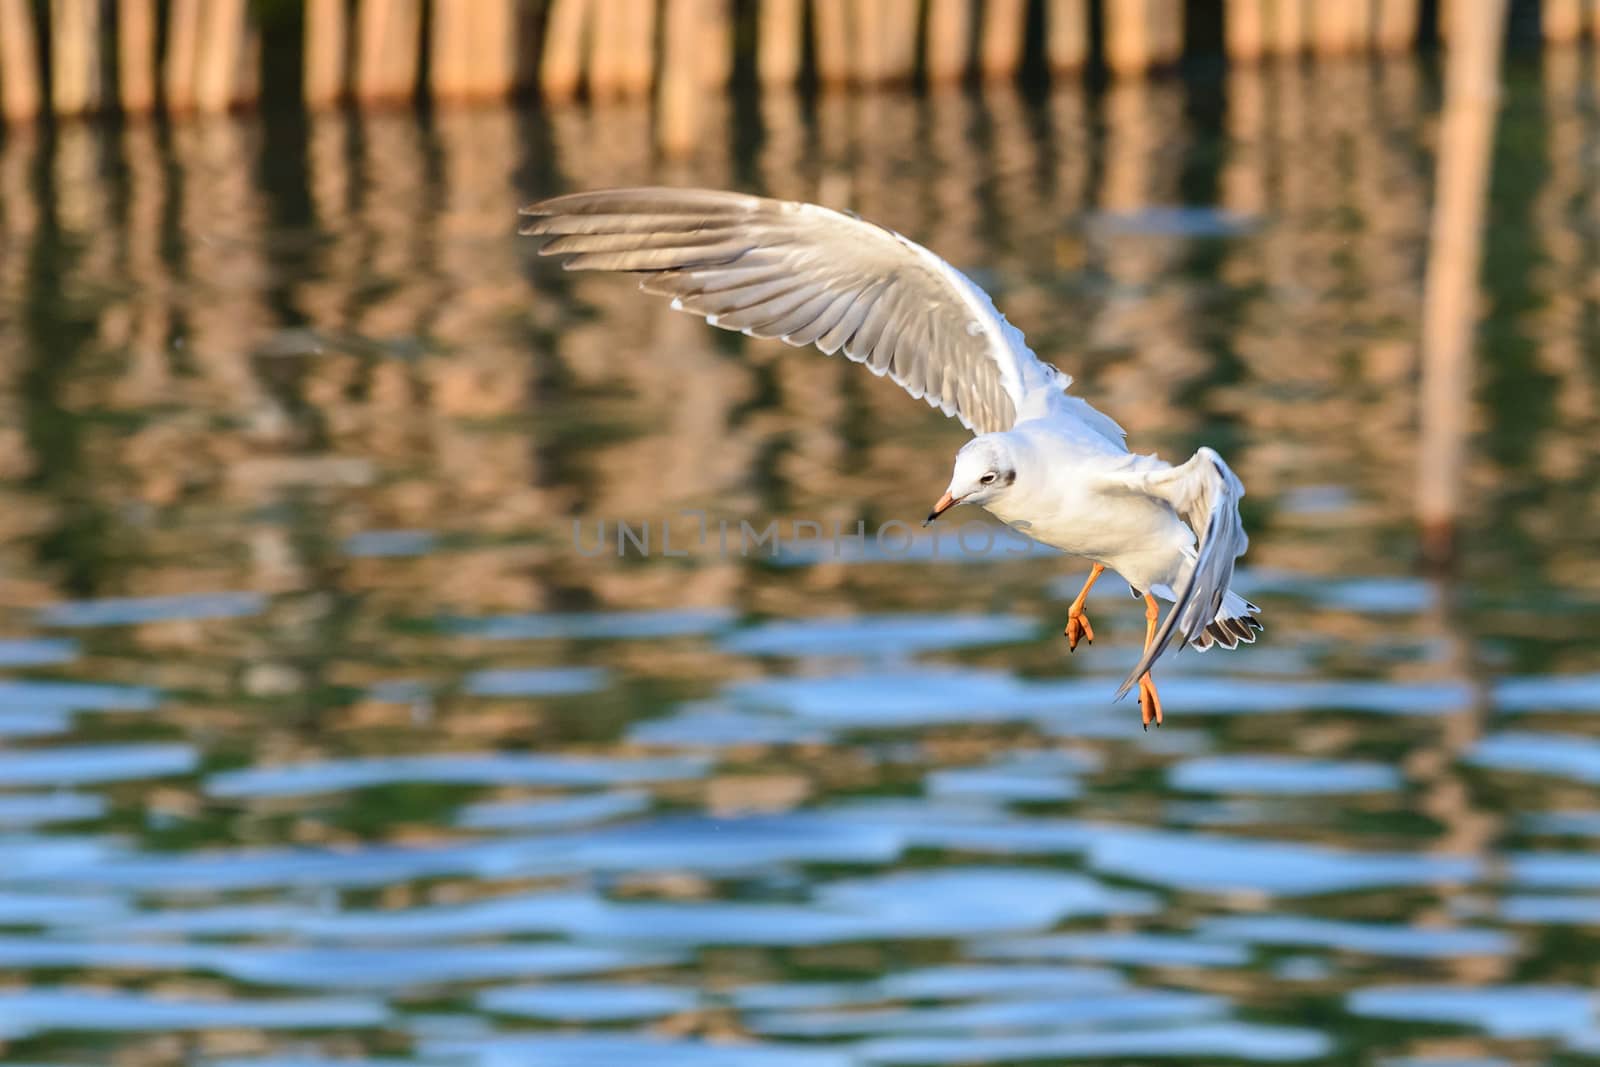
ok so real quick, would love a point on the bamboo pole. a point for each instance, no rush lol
(681, 95)
(900, 40)
(1244, 25)
(1395, 24)
(183, 44)
(609, 16)
(1362, 20)
(1005, 22)
(472, 49)
(1066, 30)
(1332, 28)
(716, 44)
(21, 89)
(1561, 20)
(136, 55)
(388, 40)
(867, 35)
(451, 62)
(561, 66)
(75, 56)
(1449, 302)
(636, 54)
(1128, 37)
(498, 32)
(1288, 26)
(220, 57)
(830, 19)
(779, 25)
(327, 45)
(949, 45)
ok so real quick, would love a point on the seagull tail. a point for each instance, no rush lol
(1237, 622)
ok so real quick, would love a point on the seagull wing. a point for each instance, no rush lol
(808, 275)
(1205, 493)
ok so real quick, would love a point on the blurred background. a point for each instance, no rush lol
(321, 743)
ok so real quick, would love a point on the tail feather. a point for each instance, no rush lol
(1237, 621)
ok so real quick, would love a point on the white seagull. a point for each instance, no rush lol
(1043, 461)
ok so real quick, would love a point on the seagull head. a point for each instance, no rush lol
(986, 468)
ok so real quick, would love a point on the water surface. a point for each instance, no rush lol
(322, 741)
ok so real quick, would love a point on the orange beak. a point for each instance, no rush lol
(945, 503)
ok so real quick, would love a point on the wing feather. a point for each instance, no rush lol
(808, 275)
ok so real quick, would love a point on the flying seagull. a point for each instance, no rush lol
(1043, 461)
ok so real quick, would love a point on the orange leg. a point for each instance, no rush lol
(1078, 626)
(1149, 702)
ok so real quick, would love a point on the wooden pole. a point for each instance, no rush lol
(500, 38)
(900, 40)
(472, 49)
(1066, 28)
(136, 55)
(608, 19)
(327, 47)
(1449, 314)
(561, 66)
(220, 57)
(183, 46)
(1332, 29)
(21, 90)
(451, 62)
(681, 95)
(1005, 22)
(1561, 20)
(636, 52)
(779, 25)
(866, 33)
(75, 56)
(1244, 24)
(1128, 37)
(388, 41)
(716, 44)
(830, 19)
(1288, 26)
(327, 51)
(1395, 25)
(1362, 20)
(949, 46)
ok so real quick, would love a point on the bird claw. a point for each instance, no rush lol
(1149, 703)
(1077, 629)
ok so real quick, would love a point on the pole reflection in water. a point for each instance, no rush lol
(1450, 310)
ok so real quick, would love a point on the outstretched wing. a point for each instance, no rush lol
(808, 275)
(1205, 494)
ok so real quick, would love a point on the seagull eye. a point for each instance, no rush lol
(988, 479)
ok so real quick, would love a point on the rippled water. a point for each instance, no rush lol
(323, 740)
